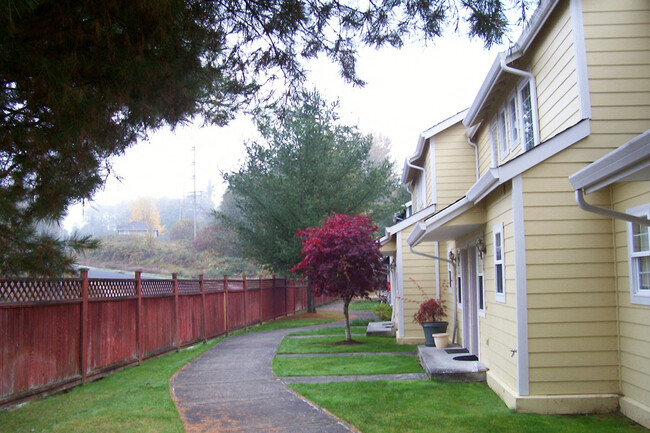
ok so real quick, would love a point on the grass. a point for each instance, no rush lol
(134, 400)
(419, 406)
(332, 331)
(346, 365)
(326, 345)
(362, 305)
(296, 321)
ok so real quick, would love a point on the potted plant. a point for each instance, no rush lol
(430, 315)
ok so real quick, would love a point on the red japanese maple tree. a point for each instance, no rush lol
(341, 257)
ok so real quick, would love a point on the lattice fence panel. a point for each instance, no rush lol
(20, 290)
(235, 284)
(105, 288)
(186, 287)
(213, 285)
(253, 284)
(157, 287)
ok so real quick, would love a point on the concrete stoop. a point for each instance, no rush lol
(441, 365)
(383, 329)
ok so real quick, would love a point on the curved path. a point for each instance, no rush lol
(231, 388)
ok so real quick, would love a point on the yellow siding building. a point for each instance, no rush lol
(542, 197)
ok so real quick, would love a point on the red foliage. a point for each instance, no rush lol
(431, 310)
(341, 257)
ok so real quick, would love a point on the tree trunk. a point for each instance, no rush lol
(346, 304)
(311, 306)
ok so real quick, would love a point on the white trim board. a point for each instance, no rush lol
(523, 380)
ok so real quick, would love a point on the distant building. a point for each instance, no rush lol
(135, 228)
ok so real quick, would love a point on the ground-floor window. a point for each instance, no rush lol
(639, 257)
(499, 264)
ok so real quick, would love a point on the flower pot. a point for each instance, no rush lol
(433, 328)
(441, 340)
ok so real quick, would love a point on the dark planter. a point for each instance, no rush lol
(433, 328)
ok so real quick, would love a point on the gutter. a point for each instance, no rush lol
(475, 146)
(408, 163)
(580, 198)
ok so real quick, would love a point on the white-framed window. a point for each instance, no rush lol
(513, 121)
(638, 247)
(459, 282)
(499, 264)
(502, 123)
(480, 283)
(527, 114)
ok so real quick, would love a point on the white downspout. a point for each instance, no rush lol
(533, 94)
(580, 198)
(424, 177)
(475, 146)
(453, 266)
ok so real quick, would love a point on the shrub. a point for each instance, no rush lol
(383, 311)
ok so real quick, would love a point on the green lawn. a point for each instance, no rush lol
(332, 331)
(134, 400)
(362, 305)
(346, 365)
(326, 345)
(426, 406)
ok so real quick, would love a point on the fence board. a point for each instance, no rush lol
(45, 340)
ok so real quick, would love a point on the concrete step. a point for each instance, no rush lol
(384, 329)
(441, 365)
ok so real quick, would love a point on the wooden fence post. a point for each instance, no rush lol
(138, 315)
(245, 302)
(205, 319)
(286, 297)
(177, 318)
(225, 303)
(83, 344)
(273, 297)
(261, 297)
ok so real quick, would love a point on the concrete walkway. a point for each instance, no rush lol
(231, 388)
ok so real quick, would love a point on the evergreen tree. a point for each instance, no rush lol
(308, 167)
(82, 80)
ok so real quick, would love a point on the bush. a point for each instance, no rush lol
(383, 311)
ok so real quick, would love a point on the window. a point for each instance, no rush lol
(499, 265)
(480, 287)
(449, 271)
(639, 257)
(513, 121)
(527, 116)
(503, 135)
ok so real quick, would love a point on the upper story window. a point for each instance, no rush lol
(421, 191)
(528, 115)
(639, 257)
(516, 121)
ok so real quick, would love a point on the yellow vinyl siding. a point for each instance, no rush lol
(420, 270)
(617, 37)
(554, 67)
(498, 329)
(634, 319)
(455, 165)
(569, 268)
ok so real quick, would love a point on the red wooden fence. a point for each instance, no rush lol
(55, 334)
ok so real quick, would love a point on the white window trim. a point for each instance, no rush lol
(635, 296)
(480, 273)
(534, 109)
(513, 95)
(502, 134)
(422, 190)
(498, 229)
